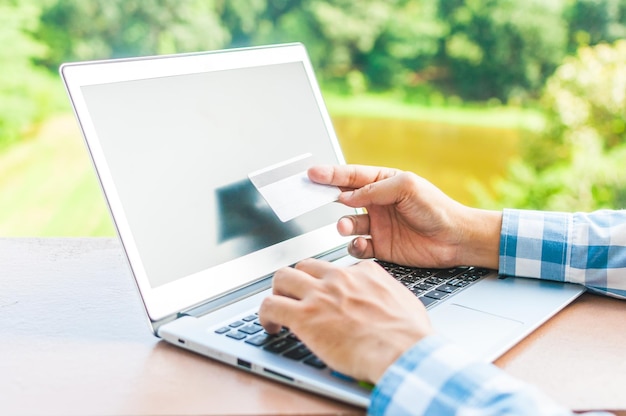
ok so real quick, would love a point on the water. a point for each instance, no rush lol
(451, 156)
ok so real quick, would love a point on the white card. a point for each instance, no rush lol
(289, 191)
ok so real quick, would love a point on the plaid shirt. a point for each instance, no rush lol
(589, 249)
(435, 377)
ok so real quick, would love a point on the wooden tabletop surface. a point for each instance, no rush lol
(75, 342)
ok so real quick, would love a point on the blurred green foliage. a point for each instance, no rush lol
(86, 30)
(595, 21)
(502, 49)
(26, 90)
(433, 52)
(577, 160)
(469, 49)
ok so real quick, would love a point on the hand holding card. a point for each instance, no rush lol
(289, 191)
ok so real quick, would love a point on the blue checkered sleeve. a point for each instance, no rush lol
(436, 377)
(584, 248)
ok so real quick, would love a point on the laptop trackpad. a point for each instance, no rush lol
(478, 332)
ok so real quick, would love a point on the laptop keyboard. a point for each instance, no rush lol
(434, 285)
(429, 285)
(249, 330)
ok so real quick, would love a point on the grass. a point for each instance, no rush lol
(385, 105)
(48, 186)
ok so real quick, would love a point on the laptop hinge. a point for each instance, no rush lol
(252, 289)
(334, 254)
(231, 297)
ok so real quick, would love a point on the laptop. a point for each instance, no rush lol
(173, 139)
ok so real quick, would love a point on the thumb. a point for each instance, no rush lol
(384, 192)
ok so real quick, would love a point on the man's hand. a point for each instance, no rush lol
(358, 319)
(409, 220)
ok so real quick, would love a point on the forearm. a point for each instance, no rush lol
(480, 238)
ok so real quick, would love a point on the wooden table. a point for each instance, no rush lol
(74, 341)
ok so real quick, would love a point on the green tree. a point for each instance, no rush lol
(594, 21)
(361, 43)
(25, 89)
(474, 49)
(355, 42)
(577, 162)
(501, 48)
(83, 30)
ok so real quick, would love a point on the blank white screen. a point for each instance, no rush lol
(179, 150)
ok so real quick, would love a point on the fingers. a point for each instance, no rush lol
(388, 191)
(361, 248)
(276, 312)
(290, 285)
(315, 268)
(292, 282)
(349, 176)
(354, 225)
(367, 185)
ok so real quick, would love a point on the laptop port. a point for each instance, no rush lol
(278, 375)
(244, 364)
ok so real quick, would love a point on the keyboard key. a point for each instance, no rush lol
(421, 273)
(313, 361)
(427, 301)
(471, 277)
(298, 353)
(222, 330)
(435, 281)
(250, 329)
(410, 278)
(236, 324)
(424, 286)
(436, 294)
(431, 285)
(280, 345)
(447, 288)
(416, 291)
(396, 274)
(458, 282)
(447, 273)
(403, 269)
(236, 335)
(249, 318)
(260, 339)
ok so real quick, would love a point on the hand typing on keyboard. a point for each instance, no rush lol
(360, 319)
(347, 316)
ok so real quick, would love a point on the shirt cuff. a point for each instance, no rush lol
(535, 244)
(436, 377)
(418, 381)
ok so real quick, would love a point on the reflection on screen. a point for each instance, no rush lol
(180, 148)
(244, 216)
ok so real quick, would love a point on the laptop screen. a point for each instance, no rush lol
(174, 139)
(179, 149)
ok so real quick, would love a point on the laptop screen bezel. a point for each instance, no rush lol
(166, 301)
